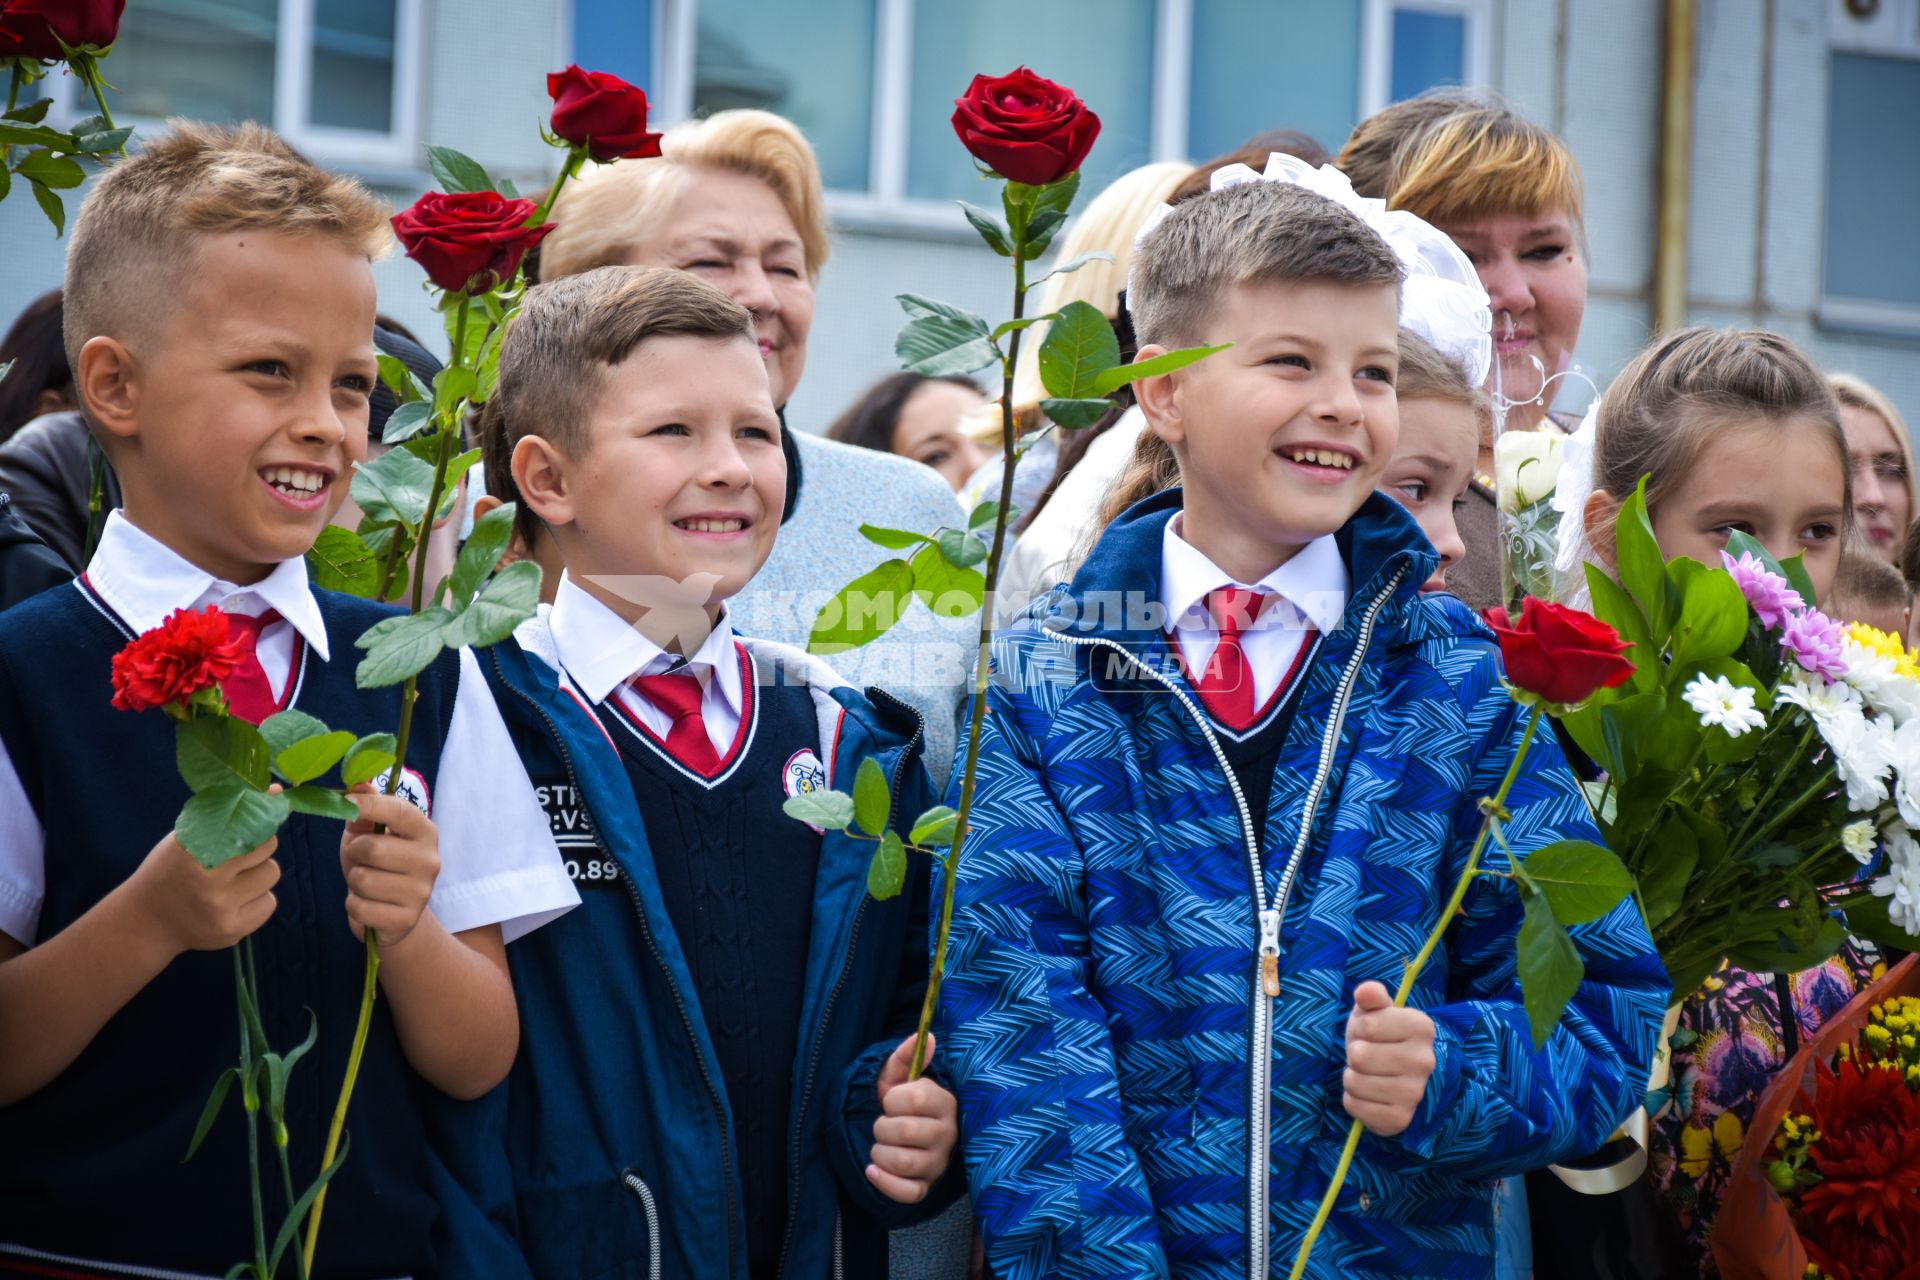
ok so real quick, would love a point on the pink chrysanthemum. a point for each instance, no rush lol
(1770, 596)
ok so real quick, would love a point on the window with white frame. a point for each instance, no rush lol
(872, 82)
(336, 77)
(1870, 272)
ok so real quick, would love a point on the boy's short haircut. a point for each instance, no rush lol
(566, 332)
(133, 239)
(1864, 580)
(1256, 232)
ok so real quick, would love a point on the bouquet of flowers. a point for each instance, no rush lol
(1527, 468)
(1763, 779)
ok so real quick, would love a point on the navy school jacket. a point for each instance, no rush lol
(608, 1151)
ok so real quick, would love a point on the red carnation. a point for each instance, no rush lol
(36, 28)
(177, 659)
(1559, 654)
(602, 114)
(469, 241)
(1024, 127)
(1868, 1155)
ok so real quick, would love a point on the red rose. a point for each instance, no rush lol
(602, 113)
(468, 238)
(35, 28)
(1559, 654)
(1025, 128)
(177, 659)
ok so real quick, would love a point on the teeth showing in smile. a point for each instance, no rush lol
(711, 526)
(294, 481)
(1320, 458)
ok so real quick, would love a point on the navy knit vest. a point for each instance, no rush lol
(737, 877)
(1254, 754)
(90, 1166)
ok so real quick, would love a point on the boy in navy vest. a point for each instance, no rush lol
(712, 1070)
(220, 310)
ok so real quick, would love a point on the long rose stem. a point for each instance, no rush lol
(1407, 979)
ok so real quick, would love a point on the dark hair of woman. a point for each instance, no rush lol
(39, 381)
(869, 422)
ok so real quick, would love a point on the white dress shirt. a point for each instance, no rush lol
(1311, 590)
(601, 651)
(498, 862)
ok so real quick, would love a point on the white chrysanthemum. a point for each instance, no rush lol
(1903, 753)
(1823, 701)
(1878, 680)
(1862, 756)
(1721, 703)
(1859, 839)
(1902, 885)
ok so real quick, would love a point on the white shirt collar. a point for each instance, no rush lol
(144, 580)
(1313, 581)
(602, 651)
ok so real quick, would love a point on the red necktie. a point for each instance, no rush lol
(249, 693)
(678, 694)
(1225, 684)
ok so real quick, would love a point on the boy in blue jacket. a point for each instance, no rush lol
(712, 1070)
(1230, 775)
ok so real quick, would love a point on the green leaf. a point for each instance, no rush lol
(508, 600)
(219, 751)
(15, 134)
(935, 826)
(6, 181)
(1773, 853)
(1788, 954)
(1795, 567)
(397, 482)
(1057, 197)
(368, 758)
(340, 560)
(1613, 606)
(298, 1213)
(50, 205)
(939, 347)
(832, 810)
(887, 873)
(1024, 322)
(1713, 613)
(1671, 857)
(987, 512)
(406, 422)
(949, 591)
(30, 112)
(93, 144)
(44, 167)
(989, 228)
(962, 550)
(1040, 231)
(871, 800)
(1079, 347)
(893, 539)
(310, 757)
(400, 380)
(1642, 570)
(407, 649)
(1074, 263)
(1550, 966)
(221, 823)
(1113, 379)
(1867, 916)
(90, 124)
(222, 1085)
(1582, 880)
(456, 172)
(322, 802)
(284, 728)
(1074, 415)
(481, 552)
(457, 466)
(863, 610)
(454, 384)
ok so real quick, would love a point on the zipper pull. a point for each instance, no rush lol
(1270, 952)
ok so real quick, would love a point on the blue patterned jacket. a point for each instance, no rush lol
(1105, 1015)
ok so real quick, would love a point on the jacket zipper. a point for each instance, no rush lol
(639, 911)
(907, 756)
(1266, 978)
(640, 1189)
(839, 1248)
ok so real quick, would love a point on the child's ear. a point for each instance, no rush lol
(1601, 509)
(107, 386)
(541, 473)
(1157, 400)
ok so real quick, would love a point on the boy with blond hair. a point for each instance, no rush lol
(1229, 777)
(219, 320)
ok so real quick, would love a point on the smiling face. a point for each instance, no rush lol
(732, 231)
(681, 477)
(931, 430)
(1430, 472)
(1533, 274)
(242, 416)
(1881, 496)
(1780, 481)
(1282, 436)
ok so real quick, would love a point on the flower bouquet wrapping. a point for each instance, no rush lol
(1827, 1186)
(1527, 467)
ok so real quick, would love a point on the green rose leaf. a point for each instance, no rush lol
(1006, 327)
(939, 347)
(308, 758)
(398, 482)
(322, 802)
(219, 751)
(101, 141)
(402, 381)
(989, 228)
(1713, 613)
(221, 823)
(871, 800)
(1113, 379)
(832, 810)
(284, 728)
(1074, 264)
(893, 539)
(935, 826)
(59, 172)
(987, 512)
(1583, 881)
(887, 873)
(340, 560)
(368, 758)
(50, 205)
(946, 589)
(452, 385)
(14, 133)
(407, 649)
(962, 550)
(503, 604)
(1550, 966)
(1078, 348)
(863, 610)
(1075, 415)
(406, 422)
(482, 551)
(30, 112)
(456, 172)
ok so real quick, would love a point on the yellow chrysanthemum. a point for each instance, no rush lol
(1887, 646)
